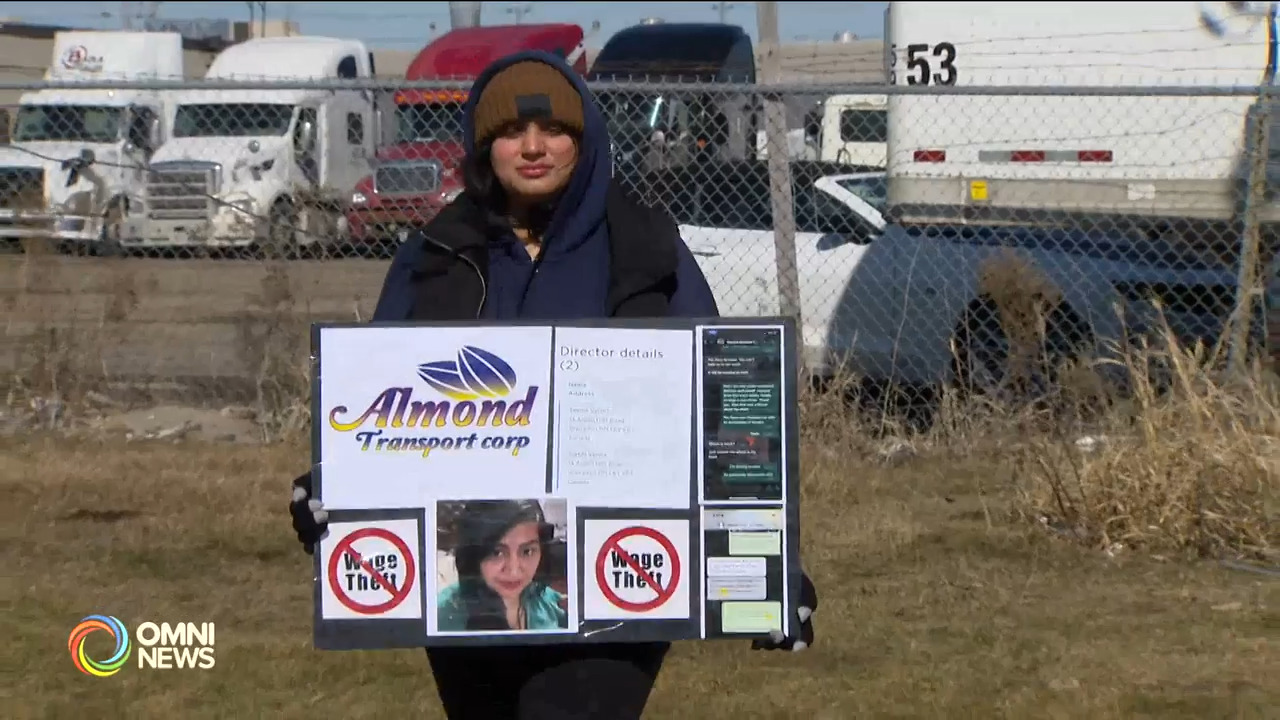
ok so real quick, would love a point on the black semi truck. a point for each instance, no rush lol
(654, 124)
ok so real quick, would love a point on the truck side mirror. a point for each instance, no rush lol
(306, 136)
(155, 133)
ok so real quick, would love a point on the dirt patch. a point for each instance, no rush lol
(169, 422)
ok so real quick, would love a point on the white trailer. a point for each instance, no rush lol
(994, 158)
(247, 167)
(76, 165)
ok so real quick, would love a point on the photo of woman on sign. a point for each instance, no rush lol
(508, 563)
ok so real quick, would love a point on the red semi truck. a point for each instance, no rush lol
(420, 174)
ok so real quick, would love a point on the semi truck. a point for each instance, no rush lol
(1124, 158)
(248, 168)
(75, 168)
(419, 174)
(657, 129)
(993, 202)
(1078, 206)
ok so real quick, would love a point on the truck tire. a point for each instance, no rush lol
(981, 360)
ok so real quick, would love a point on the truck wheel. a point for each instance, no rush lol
(282, 238)
(987, 363)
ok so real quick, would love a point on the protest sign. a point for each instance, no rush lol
(617, 481)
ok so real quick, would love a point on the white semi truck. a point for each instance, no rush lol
(1015, 157)
(76, 165)
(251, 167)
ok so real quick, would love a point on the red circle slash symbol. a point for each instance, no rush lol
(613, 544)
(344, 547)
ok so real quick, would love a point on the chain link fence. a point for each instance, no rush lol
(178, 237)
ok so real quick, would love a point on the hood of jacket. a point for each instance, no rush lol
(580, 210)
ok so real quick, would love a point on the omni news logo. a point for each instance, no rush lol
(166, 646)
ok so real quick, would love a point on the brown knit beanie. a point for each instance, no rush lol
(526, 89)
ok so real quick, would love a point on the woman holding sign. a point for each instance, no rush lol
(542, 231)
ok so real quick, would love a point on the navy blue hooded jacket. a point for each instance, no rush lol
(571, 278)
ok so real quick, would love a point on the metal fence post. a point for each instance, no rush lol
(775, 126)
(1249, 287)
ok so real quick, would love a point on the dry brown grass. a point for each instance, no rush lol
(1189, 468)
(992, 567)
(937, 601)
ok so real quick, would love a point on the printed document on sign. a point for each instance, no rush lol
(623, 431)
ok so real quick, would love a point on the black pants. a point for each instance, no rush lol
(599, 681)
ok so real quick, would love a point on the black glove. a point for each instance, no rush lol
(310, 519)
(807, 606)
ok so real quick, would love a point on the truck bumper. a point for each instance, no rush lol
(983, 199)
(222, 231)
(17, 225)
(371, 225)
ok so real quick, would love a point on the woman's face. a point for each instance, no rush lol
(533, 160)
(512, 563)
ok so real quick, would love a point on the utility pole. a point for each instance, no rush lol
(1252, 255)
(139, 15)
(152, 13)
(464, 14)
(723, 9)
(775, 128)
(519, 10)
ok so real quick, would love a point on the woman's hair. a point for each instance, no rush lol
(481, 526)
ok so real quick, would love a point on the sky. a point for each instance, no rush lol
(406, 25)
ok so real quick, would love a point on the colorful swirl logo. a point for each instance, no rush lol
(474, 375)
(89, 666)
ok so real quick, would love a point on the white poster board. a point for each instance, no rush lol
(491, 484)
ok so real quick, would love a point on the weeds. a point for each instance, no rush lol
(958, 562)
(1184, 462)
(1192, 468)
(271, 338)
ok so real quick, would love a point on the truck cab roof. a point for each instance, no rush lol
(709, 51)
(303, 57)
(464, 52)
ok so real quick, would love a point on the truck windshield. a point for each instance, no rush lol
(74, 123)
(429, 122)
(666, 51)
(232, 120)
(634, 115)
(873, 190)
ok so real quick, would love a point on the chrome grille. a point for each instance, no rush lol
(21, 188)
(407, 178)
(181, 191)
